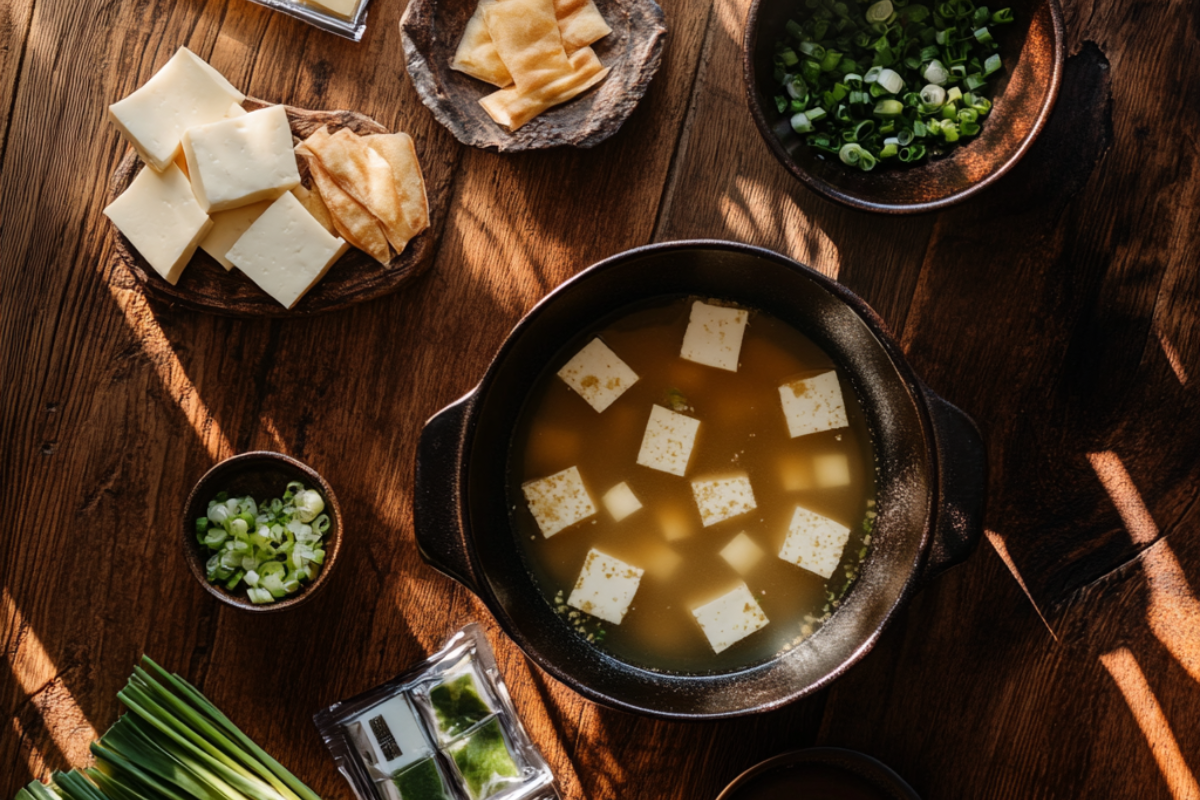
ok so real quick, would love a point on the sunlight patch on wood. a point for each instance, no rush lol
(1172, 355)
(1125, 496)
(1130, 679)
(170, 371)
(758, 214)
(1002, 550)
(37, 675)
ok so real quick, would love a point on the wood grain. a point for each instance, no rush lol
(1059, 308)
(355, 278)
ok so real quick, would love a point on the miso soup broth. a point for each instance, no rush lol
(610, 511)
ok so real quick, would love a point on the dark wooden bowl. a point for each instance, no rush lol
(431, 30)
(841, 773)
(1032, 49)
(261, 474)
(356, 277)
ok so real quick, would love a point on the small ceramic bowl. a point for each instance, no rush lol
(819, 773)
(261, 474)
(1032, 50)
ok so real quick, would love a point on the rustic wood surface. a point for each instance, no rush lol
(1059, 308)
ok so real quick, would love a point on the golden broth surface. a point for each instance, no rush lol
(742, 430)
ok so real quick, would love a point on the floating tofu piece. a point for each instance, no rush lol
(742, 553)
(286, 251)
(722, 498)
(558, 501)
(730, 618)
(241, 160)
(676, 524)
(605, 588)
(795, 473)
(660, 561)
(621, 501)
(812, 405)
(160, 216)
(598, 375)
(668, 441)
(714, 336)
(814, 542)
(228, 227)
(186, 92)
(832, 470)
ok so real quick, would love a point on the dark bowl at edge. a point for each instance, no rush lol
(260, 474)
(1033, 51)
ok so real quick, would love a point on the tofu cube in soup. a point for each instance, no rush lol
(621, 501)
(730, 618)
(832, 470)
(559, 501)
(714, 336)
(606, 587)
(812, 405)
(742, 553)
(659, 561)
(720, 499)
(668, 441)
(814, 542)
(675, 522)
(598, 375)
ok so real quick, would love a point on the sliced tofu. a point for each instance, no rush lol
(812, 405)
(814, 542)
(668, 441)
(160, 216)
(228, 227)
(598, 375)
(559, 501)
(241, 160)
(720, 499)
(676, 523)
(714, 336)
(606, 587)
(236, 110)
(621, 501)
(730, 618)
(795, 473)
(832, 470)
(742, 553)
(186, 92)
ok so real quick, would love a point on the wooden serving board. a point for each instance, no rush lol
(206, 286)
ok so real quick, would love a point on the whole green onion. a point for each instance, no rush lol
(850, 74)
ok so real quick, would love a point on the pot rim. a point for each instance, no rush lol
(912, 384)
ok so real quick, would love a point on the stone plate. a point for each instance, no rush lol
(431, 30)
(206, 286)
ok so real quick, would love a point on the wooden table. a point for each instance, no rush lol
(1059, 309)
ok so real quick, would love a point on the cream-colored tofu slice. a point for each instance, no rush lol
(831, 470)
(241, 160)
(559, 501)
(742, 553)
(730, 618)
(714, 336)
(236, 110)
(228, 227)
(719, 499)
(621, 501)
(160, 217)
(814, 542)
(676, 523)
(668, 441)
(598, 375)
(186, 92)
(812, 405)
(285, 251)
(606, 587)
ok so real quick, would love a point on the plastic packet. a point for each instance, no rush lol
(344, 17)
(444, 730)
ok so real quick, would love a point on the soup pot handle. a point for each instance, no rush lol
(437, 499)
(962, 486)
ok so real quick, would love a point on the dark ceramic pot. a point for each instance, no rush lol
(931, 480)
(842, 773)
(1033, 51)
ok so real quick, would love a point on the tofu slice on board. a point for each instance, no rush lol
(598, 375)
(812, 405)
(558, 501)
(606, 587)
(730, 618)
(814, 542)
